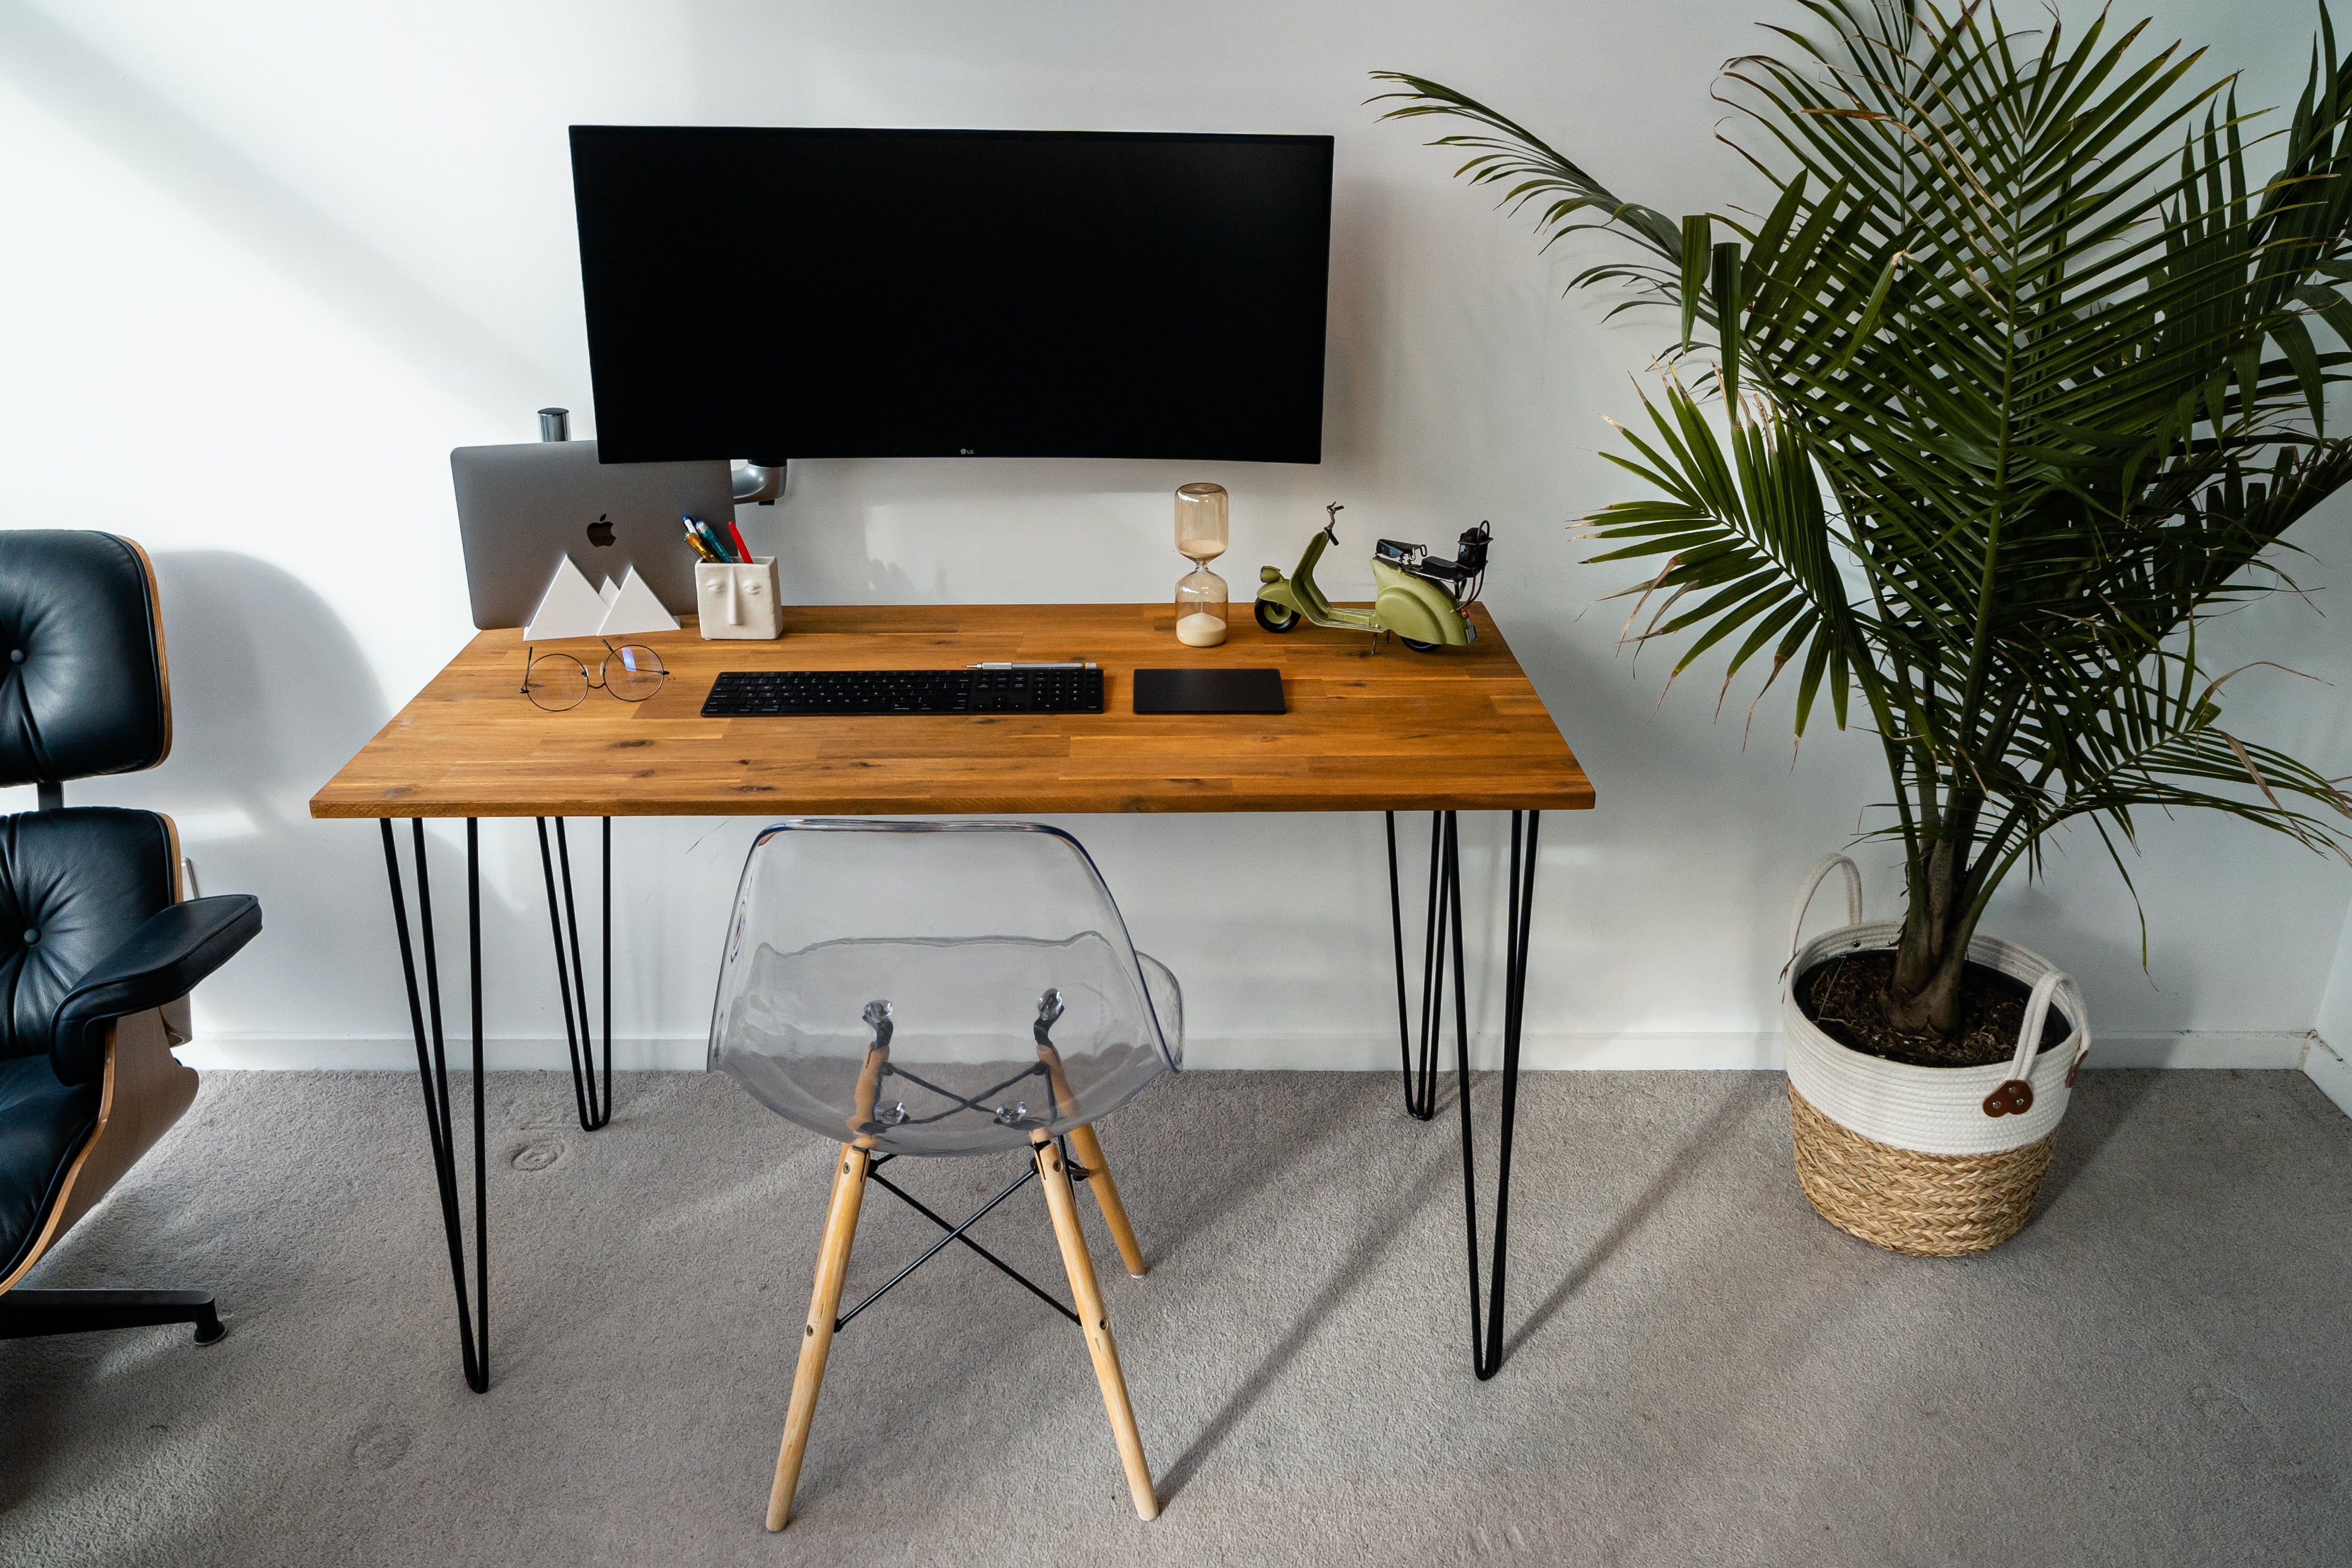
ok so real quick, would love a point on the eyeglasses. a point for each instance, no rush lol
(556, 681)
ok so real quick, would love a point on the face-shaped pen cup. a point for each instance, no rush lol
(737, 601)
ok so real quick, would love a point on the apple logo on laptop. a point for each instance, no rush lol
(600, 532)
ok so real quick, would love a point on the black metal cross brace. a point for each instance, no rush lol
(976, 1103)
(956, 1233)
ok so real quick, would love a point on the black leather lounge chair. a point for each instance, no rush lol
(99, 944)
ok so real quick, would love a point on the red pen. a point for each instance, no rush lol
(736, 534)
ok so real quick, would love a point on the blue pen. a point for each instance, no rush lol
(712, 541)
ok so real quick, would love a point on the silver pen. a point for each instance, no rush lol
(1065, 664)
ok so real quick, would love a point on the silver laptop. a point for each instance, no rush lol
(522, 509)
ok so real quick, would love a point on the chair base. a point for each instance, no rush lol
(29, 1314)
(1052, 1169)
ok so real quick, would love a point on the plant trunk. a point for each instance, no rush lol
(1930, 960)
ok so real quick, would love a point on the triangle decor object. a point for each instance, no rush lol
(633, 611)
(570, 607)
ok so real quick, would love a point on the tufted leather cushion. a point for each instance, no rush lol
(74, 885)
(43, 1124)
(81, 662)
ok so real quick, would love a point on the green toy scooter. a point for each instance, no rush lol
(1422, 600)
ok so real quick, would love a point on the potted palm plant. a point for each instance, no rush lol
(2019, 379)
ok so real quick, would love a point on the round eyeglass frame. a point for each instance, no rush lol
(639, 663)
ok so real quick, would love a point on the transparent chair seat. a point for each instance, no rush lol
(937, 988)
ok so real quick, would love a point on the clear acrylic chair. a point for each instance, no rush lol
(941, 988)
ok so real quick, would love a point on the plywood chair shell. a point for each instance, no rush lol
(144, 1091)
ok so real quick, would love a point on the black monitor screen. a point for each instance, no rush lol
(785, 293)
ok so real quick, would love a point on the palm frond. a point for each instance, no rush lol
(2021, 346)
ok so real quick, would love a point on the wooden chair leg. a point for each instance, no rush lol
(1086, 1293)
(1088, 1148)
(816, 1339)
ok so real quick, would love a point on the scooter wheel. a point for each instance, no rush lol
(1274, 618)
(1419, 647)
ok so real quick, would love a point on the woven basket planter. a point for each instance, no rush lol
(1934, 1162)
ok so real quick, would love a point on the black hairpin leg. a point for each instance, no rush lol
(432, 1072)
(595, 1105)
(1421, 1075)
(1444, 929)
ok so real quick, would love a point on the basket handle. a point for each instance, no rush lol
(2015, 1095)
(1814, 880)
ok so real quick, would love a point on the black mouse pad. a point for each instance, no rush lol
(1208, 691)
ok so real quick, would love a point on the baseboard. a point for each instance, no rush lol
(2199, 1049)
(1712, 1052)
(2330, 1072)
(1295, 1053)
(1538, 1053)
(397, 1053)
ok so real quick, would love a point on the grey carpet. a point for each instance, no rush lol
(2156, 1372)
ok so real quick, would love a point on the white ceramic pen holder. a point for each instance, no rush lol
(737, 601)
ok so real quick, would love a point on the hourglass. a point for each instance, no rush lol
(1200, 539)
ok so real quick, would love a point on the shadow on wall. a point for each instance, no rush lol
(130, 120)
(269, 695)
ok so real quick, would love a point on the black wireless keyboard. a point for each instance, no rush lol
(743, 693)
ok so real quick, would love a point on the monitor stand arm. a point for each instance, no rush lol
(760, 482)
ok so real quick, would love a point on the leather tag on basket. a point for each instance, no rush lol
(2014, 1098)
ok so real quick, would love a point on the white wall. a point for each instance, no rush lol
(267, 262)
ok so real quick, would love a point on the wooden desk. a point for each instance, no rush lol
(1392, 730)
(1367, 730)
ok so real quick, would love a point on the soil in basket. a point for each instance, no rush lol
(1847, 997)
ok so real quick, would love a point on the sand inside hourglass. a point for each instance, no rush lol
(1201, 629)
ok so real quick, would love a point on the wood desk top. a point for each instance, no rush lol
(1460, 729)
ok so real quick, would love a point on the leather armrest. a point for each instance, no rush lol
(161, 961)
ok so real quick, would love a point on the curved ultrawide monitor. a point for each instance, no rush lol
(777, 293)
